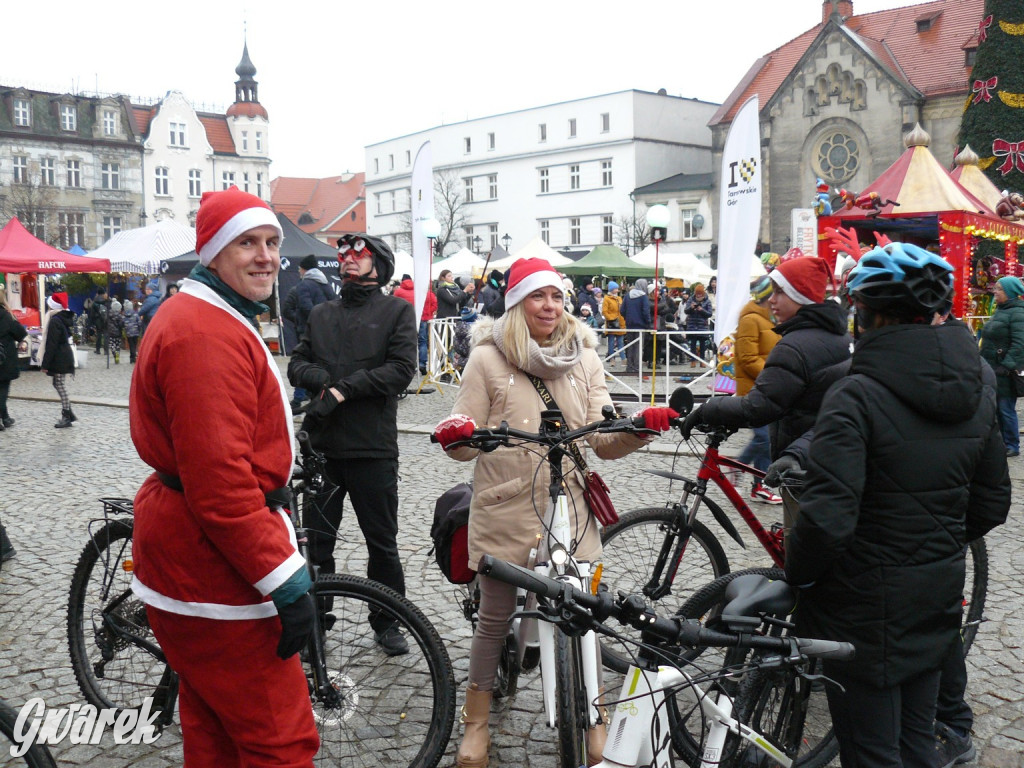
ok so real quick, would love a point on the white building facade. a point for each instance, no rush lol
(564, 171)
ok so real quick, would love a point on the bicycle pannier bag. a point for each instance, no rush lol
(599, 500)
(450, 533)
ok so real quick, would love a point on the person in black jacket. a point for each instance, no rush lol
(11, 332)
(799, 370)
(312, 289)
(906, 466)
(355, 357)
(451, 297)
(58, 357)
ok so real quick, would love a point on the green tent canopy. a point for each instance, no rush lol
(609, 261)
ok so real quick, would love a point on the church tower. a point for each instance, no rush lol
(250, 130)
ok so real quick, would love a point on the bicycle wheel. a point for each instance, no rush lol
(103, 618)
(790, 712)
(37, 756)
(631, 550)
(685, 717)
(387, 710)
(975, 590)
(572, 720)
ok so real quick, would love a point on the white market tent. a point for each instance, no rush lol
(403, 265)
(141, 250)
(685, 266)
(534, 249)
(465, 262)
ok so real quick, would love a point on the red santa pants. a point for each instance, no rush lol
(240, 705)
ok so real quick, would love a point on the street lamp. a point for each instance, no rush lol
(476, 244)
(431, 228)
(505, 240)
(657, 220)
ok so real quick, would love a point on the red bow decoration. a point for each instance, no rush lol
(1012, 151)
(983, 89)
(983, 28)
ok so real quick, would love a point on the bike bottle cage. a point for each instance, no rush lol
(751, 595)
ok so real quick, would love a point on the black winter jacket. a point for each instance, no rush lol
(450, 300)
(797, 372)
(311, 290)
(58, 356)
(11, 332)
(365, 344)
(906, 466)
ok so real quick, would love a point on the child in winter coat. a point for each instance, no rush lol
(132, 328)
(115, 329)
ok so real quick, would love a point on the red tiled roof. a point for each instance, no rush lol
(336, 204)
(932, 61)
(142, 117)
(217, 134)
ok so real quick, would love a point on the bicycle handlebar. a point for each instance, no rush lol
(631, 610)
(489, 438)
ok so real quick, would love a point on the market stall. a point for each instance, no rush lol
(916, 200)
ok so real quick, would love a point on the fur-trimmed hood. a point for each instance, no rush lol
(483, 326)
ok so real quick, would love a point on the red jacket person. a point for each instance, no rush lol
(215, 560)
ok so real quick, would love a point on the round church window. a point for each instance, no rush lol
(838, 157)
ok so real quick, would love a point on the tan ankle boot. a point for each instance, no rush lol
(597, 736)
(476, 737)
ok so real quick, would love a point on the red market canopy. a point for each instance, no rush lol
(21, 251)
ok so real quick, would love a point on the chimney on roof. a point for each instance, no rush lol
(841, 8)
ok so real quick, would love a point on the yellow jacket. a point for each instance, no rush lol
(611, 308)
(754, 340)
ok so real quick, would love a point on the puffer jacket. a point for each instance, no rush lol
(503, 518)
(1002, 343)
(611, 308)
(796, 375)
(58, 356)
(755, 339)
(698, 313)
(906, 466)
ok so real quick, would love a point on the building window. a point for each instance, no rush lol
(111, 226)
(74, 173)
(492, 230)
(544, 181)
(606, 122)
(163, 181)
(110, 176)
(377, 197)
(574, 231)
(178, 134)
(227, 179)
(259, 185)
(492, 187)
(195, 183)
(391, 162)
(572, 127)
(469, 189)
(245, 181)
(47, 172)
(245, 141)
(970, 56)
(490, 141)
(72, 229)
(34, 222)
(838, 158)
(22, 113)
(393, 197)
(20, 169)
(469, 238)
(686, 217)
(606, 173)
(606, 229)
(259, 141)
(574, 177)
(68, 117)
(376, 165)
(545, 232)
(542, 132)
(469, 144)
(109, 122)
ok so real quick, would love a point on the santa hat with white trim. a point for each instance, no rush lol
(225, 215)
(526, 276)
(803, 279)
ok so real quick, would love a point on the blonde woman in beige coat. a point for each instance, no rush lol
(534, 336)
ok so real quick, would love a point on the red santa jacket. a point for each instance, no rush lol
(208, 405)
(405, 290)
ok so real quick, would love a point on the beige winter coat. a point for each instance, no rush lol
(509, 500)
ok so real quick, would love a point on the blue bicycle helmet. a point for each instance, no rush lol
(903, 280)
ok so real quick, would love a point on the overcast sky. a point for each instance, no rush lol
(336, 76)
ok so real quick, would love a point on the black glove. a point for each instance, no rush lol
(777, 468)
(322, 405)
(315, 378)
(296, 626)
(693, 418)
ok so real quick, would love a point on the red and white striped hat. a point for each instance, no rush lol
(225, 215)
(526, 276)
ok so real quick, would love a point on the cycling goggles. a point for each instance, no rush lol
(355, 248)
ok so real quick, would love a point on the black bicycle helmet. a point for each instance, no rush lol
(383, 258)
(902, 280)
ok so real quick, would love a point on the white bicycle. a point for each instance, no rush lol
(640, 730)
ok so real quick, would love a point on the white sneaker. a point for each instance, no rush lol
(760, 493)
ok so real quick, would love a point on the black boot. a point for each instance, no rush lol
(6, 548)
(8, 422)
(71, 415)
(65, 419)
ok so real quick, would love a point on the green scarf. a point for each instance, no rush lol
(248, 309)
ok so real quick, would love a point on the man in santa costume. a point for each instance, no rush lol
(215, 556)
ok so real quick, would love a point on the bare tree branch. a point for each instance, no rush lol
(35, 206)
(632, 234)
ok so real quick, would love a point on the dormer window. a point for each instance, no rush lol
(109, 120)
(22, 113)
(924, 23)
(970, 56)
(68, 117)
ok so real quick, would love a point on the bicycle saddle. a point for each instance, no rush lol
(750, 596)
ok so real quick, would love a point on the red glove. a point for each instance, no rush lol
(657, 419)
(455, 427)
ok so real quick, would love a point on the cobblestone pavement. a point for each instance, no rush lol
(50, 480)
